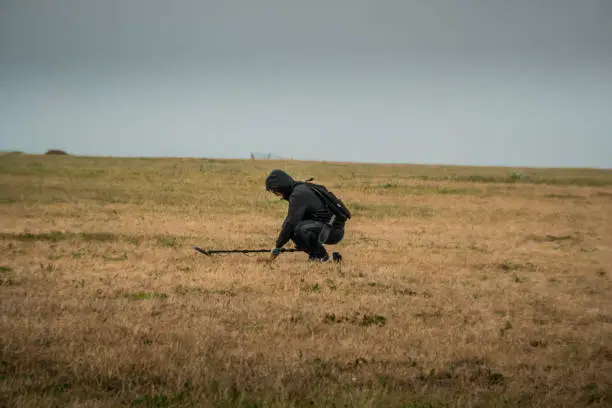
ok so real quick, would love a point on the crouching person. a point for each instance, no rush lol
(309, 223)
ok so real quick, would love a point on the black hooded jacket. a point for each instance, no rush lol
(304, 204)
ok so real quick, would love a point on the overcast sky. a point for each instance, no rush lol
(517, 83)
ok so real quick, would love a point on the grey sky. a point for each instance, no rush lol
(458, 81)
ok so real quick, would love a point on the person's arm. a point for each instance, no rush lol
(295, 213)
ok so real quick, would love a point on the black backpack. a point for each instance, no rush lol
(335, 205)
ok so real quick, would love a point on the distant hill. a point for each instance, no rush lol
(56, 152)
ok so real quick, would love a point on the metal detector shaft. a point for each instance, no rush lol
(326, 230)
(240, 251)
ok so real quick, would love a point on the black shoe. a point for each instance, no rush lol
(337, 257)
(313, 259)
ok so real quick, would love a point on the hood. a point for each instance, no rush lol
(280, 181)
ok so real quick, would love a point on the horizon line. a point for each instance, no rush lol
(283, 159)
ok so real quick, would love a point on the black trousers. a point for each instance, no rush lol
(306, 238)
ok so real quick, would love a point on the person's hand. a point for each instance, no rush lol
(273, 254)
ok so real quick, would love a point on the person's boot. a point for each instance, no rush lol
(320, 256)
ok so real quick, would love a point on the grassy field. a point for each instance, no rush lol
(460, 287)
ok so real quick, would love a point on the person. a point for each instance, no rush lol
(306, 217)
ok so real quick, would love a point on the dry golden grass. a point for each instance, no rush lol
(462, 287)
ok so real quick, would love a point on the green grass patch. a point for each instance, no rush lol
(426, 189)
(99, 236)
(516, 177)
(315, 287)
(356, 318)
(428, 316)
(168, 241)
(120, 257)
(146, 295)
(160, 400)
(8, 200)
(59, 236)
(507, 266)
(603, 194)
(554, 238)
(53, 236)
(565, 196)
(382, 211)
(78, 254)
(7, 276)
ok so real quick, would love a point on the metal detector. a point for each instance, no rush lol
(210, 252)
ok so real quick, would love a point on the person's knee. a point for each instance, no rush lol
(300, 232)
(335, 237)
